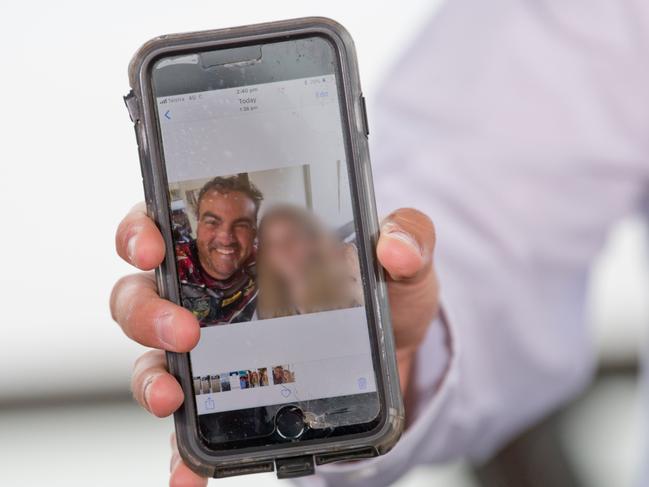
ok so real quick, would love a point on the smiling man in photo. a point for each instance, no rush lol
(217, 270)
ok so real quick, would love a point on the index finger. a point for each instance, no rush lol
(138, 240)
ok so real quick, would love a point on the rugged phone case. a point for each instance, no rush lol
(291, 459)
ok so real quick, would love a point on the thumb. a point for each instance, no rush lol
(405, 250)
(406, 244)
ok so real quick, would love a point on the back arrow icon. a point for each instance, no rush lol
(167, 116)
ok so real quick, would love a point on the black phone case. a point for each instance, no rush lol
(292, 459)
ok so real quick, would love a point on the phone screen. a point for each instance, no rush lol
(265, 237)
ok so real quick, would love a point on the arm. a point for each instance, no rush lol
(520, 128)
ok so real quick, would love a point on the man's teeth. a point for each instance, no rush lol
(225, 251)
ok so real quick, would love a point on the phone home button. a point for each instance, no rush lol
(289, 422)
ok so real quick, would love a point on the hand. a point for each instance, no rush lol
(405, 250)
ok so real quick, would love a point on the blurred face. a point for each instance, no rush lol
(287, 248)
(226, 232)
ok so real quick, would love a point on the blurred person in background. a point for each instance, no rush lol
(301, 266)
(521, 127)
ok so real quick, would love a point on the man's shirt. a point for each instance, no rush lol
(522, 129)
(215, 301)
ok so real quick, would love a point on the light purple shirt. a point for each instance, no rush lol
(522, 129)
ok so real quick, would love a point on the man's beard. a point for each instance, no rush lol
(223, 260)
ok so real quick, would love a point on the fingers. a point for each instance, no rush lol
(134, 302)
(149, 319)
(406, 244)
(155, 389)
(181, 475)
(138, 240)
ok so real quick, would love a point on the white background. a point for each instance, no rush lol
(69, 171)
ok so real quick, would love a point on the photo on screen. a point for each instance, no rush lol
(265, 244)
(244, 379)
(205, 384)
(215, 384)
(254, 378)
(283, 374)
(235, 383)
(263, 377)
(225, 382)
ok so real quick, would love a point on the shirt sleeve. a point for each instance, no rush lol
(521, 129)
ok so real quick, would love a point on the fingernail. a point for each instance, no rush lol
(164, 326)
(130, 248)
(147, 390)
(174, 461)
(392, 230)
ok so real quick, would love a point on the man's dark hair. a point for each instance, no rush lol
(227, 184)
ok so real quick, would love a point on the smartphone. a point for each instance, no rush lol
(255, 164)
